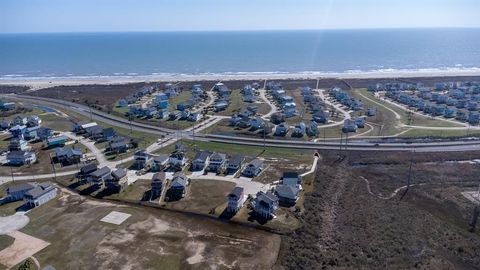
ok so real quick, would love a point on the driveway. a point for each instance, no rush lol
(13, 223)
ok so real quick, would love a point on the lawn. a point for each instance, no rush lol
(440, 133)
(252, 151)
(204, 197)
(5, 241)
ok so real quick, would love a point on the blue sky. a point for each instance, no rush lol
(217, 15)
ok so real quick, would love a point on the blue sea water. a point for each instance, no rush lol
(326, 51)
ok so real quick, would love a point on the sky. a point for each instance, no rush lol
(31, 16)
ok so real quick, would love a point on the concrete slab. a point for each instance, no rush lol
(115, 217)
(13, 223)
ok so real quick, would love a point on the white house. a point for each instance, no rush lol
(236, 199)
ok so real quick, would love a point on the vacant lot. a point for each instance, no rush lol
(149, 239)
(349, 224)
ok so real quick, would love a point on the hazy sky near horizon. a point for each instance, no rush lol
(217, 15)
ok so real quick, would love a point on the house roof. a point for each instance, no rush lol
(290, 175)
(101, 172)
(18, 154)
(159, 176)
(119, 173)
(266, 197)
(160, 158)
(56, 139)
(179, 179)
(40, 190)
(236, 192)
(256, 162)
(20, 187)
(236, 160)
(89, 167)
(69, 152)
(286, 191)
(217, 155)
(201, 156)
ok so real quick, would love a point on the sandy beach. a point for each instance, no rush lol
(36, 83)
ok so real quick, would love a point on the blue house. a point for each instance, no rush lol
(312, 129)
(162, 104)
(281, 130)
(349, 126)
(18, 131)
(473, 118)
(450, 112)
(57, 141)
(299, 130)
(360, 122)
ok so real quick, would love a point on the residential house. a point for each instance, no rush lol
(235, 164)
(160, 162)
(321, 117)
(40, 194)
(5, 124)
(473, 118)
(8, 106)
(233, 121)
(244, 122)
(94, 132)
(287, 195)
(143, 160)
(21, 158)
(31, 133)
(281, 130)
(118, 181)
(118, 145)
(17, 145)
(372, 111)
(86, 170)
(178, 187)
(253, 168)
(56, 141)
(277, 118)
(195, 117)
(200, 161)
(98, 176)
(292, 179)
(217, 162)
(174, 115)
(20, 120)
(17, 192)
(256, 123)
(299, 130)
(220, 105)
(108, 133)
(178, 159)
(159, 180)
(236, 199)
(68, 156)
(360, 122)
(265, 204)
(163, 113)
(349, 126)
(33, 121)
(312, 129)
(18, 131)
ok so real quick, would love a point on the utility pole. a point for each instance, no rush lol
(409, 178)
(54, 170)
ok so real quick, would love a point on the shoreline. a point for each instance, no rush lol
(42, 82)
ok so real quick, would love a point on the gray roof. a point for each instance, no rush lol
(69, 152)
(89, 167)
(217, 155)
(179, 179)
(40, 190)
(286, 191)
(256, 162)
(119, 173)
(236, 160)
(20, 187)
(237, 191)
(266, 197)
(202, 155)
(161, 158)
(159, 176)
(18, 154)
(101, 172)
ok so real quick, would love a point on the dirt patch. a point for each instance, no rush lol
(23, 247)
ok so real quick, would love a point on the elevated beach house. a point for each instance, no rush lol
(40, 194)
(265, 205)
(236, 199)
(253, 168)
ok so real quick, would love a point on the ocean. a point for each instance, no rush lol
(283, 52)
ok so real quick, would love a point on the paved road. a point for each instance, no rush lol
(273, 107)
